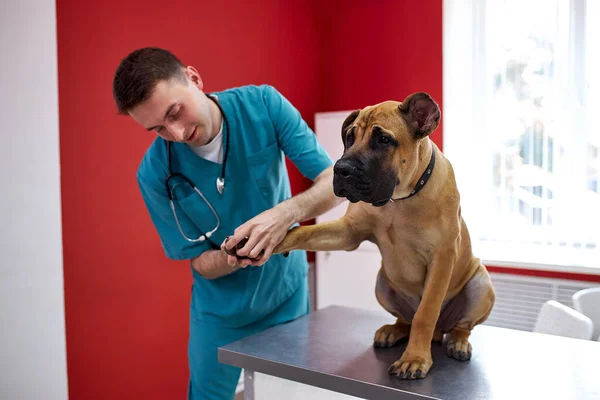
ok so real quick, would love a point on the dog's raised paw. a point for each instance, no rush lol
(389, 335)
(411, 366)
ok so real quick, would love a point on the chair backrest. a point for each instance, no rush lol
(555, 318)
(587, 302)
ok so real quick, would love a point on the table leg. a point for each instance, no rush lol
(248, 384)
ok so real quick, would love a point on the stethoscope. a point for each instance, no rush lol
(220, 185)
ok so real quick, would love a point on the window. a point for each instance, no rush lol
(521, 127)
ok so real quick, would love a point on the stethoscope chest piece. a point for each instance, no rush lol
(220, 185)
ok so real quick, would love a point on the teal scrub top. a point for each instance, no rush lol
(264, 126)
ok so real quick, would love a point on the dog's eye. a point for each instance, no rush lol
(349, 139)
(383, 139)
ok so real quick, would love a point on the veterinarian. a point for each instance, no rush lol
(217, 169)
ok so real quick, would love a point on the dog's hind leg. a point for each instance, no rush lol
(401, 306)
(480, 297)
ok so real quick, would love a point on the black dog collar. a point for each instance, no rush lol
(424, 177)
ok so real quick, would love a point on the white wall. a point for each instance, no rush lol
(32, 323)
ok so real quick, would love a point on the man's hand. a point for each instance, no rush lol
(233, 260)
(213, 264)
(264, 232)
(268, 229)
(236, 263)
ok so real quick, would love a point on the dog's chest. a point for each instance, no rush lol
(404, 265)
(407, 243)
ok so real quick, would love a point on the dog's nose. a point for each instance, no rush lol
(344, 167)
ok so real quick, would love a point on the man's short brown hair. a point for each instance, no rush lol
(138, 74)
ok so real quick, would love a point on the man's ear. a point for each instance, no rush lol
(421, 114)
(192, 74)
(347, 122)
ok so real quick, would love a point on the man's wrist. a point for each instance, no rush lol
(290, 211)
(213, 264)
(232, 268)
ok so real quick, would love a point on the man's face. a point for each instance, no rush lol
(178, 111)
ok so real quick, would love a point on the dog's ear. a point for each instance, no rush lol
(347, 122)
(421, 113)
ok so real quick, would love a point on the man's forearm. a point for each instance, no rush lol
(212, 264)
(316, 200)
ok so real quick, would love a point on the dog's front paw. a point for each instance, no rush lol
(412, 365)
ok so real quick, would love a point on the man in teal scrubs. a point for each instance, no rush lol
(230, 145)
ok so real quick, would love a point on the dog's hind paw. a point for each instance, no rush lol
(460, 349)
(389, 335)
(458, 346)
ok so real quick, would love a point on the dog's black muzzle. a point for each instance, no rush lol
(358, 181)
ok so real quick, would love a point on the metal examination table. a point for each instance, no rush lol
(329, 353)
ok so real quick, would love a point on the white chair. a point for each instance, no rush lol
(587, 302)
(555, 318)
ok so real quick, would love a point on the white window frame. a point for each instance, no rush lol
(466, 94)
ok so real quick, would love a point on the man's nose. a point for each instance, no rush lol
(177, 130)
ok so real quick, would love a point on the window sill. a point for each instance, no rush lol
(562, 269)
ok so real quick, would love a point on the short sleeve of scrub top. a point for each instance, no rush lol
(296, 139)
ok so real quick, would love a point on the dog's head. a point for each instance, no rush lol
(381, 144)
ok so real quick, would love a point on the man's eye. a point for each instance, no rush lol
(175, 113)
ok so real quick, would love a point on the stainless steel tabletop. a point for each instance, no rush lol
(332, 349)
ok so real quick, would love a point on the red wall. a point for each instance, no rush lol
(377, 51)
(126, 304)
